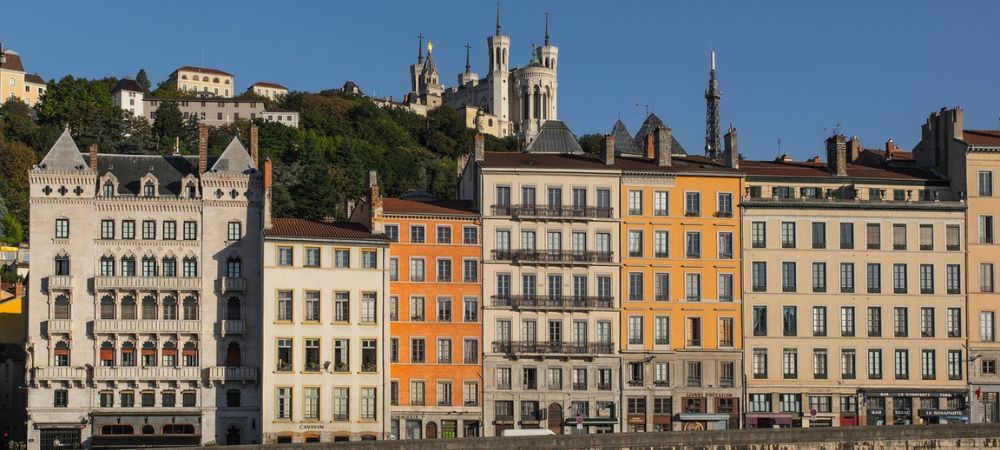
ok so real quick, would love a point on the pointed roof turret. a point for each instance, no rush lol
(624, 144)
(63, 156)
(554, 137)
(650, 125)
(235, 159)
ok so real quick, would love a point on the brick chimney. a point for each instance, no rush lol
(268, 182)
(254, 145)
(479, 147)
(608, 150)
(664, 141)
(374, 201)
(853, 149)
(731, 148)
(836, 155)
(93, 157)
(19, 290)
(650, 146)
(891, 149)
(202, 149)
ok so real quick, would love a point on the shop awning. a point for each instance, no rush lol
(942, 413)
(708, 417)
(591, 421)
(914, 393)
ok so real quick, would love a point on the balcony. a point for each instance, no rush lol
(552, 302)
(223, 374)
(60, 282)
(60, 326)
(232, 285)
(148, 373)
(233, 327)
(60, 373)
(147, 326)
(542, 212)
(148, 283)
(553, 257)
(517, 348)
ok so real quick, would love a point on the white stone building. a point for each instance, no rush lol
(128, 95)
(138, 326)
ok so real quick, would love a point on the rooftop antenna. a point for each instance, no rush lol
(836, 127)
(202, 57)
(645, 105)
(779, 145)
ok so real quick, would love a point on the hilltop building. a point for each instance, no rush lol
(203, 80)
(15, 82)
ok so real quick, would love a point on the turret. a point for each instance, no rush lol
(468, 77)
(499, 47)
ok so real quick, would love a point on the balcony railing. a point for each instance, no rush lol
(147, 326)
(60, 282)
(553, 212)
(151, 283)
(233, 327)
(553, 348)
(232, 285)
(223, 374)
(60, 326)
(552, 302)
(148, 373)
(60, 373)
(552, 256)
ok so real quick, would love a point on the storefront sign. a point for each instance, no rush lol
(636, 420)
(603, 412)
(317, 426)
(693, 426)
(503, 422)
(902, 412)
(911, 394)
(712, 394)
(876, 412)
(941, 412)
(529, 422)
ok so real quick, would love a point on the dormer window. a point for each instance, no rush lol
(189, 190)
(109, 189)
(149, 189)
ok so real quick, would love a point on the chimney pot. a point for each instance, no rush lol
(836, 155)
(202, 149)
(664, 146)
(731, 152)
(608, 150)
(93, 157)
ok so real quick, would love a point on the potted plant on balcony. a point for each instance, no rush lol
(340, 366)
(368, 366)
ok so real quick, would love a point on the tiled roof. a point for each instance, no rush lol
(554, 137)
(623, 140)
(234, 159)
(203, 70)
(301, 228)
(12, 61)
(34, 78)
(982, 138)
(650, 124)
(269, 85)
(431, 207)
(127, 84)
(592, 162)
(897, 155)
(819, 170)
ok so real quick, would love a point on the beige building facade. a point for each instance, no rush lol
(204, 80)
(144, 288)
(221, 111)
(273, 91)
(15, 82)
(854, 297)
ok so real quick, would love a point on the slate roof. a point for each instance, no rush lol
(302, 228)
(554, 137)
(34, 78)
(648, 126)
(624, 144)
(13, 61)
(202, 70)
(234, 159)
(429, 207)
(169, 171)
(801, 169)
(982, 138)
(127, 84)
(63, 156)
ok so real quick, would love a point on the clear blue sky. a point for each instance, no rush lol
(788, 69)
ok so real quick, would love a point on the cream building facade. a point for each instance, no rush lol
(128, 96)
(325, 329)
(222, 111)
(273, 91)
(15, 82)
(204, 80)
(854, 292)
(550, 278)
(138, 328)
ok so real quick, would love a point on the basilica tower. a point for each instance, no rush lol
(499, 74)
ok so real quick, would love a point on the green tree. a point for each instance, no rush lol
(591, 143)
(170, 126)
(142, 80)
(17, 122)
(13, 232)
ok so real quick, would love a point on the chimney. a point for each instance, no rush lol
(853, 149)
(93, 157)
(202, 149)
(608, 150)
(254, 146)
(650, 146)
(19, 290)
(268, 182)
(374, 202)
(731, 148)
(836, 155)
(480, 147)
(663, 138)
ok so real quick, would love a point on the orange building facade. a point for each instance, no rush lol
(435, 312)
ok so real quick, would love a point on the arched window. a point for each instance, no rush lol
(128, 266)
(497, 60)
(234, 267)
(128, 307)
(190, 308)
(148, 354)
(189, 190)
(170, 266)
(169, 354)
(61, 307)
(234, 357)
(148, 429)
(526, 105)
(193, 77)
(109, 189)
(215, 80)
(545, 104)
(149, 189)
(107, 268)
(537, 104)
(190, 267)
(107, 354)
(233, 309)
(178, 428)
(169, 308)
(62, 265)
(128, 354)
(107, 307)
(149, 307)
(190, 354)
(148, 266)
(61, 354)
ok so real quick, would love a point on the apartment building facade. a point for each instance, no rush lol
(221, 111)
(325, 329)
(141, 293)
(435, 312)
(550, 277)
(203, 80)
(15, 82)
(273, 91)
(970, 160)
(681, 319)
(854, 293)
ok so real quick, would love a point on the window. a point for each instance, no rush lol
(443, 234)
(235, 231)
(503, 378)
(694, 374)
(60, 398)
(312, 306)
(369, 308)
(444, 309)
(692, 244)
(788, 277)
(284, 355)
(725, 287)
(986, 232)
(342, 403)
(760, 402)
(693, 332)
(284, 256)
(787, 234)
(819, 277)
(661, 330)
(759, 276)
(470, 235)
(985, 183)
(986, 277)
(725, 245)
(471, 309)
(313, 258)
(926, 279)
(727, 332)
(898, 278)
(107, 229)
(955, 363)
(953, 237)
(953, 278)
(342, 257)
(875, 364)
(900, 321)
(661, 201)
(62, 228)
(635, 286)
(310, 407)
(873, 235)
(128, 229)
(417, 269)
(760, 321)
(758, 235)
(635, 330)
(392, 232)
(987, 328)
(170, 230)
(789, 321)
(874, 278)
(417, 234)
(848, 363)
(846, 235)
(820, 363)
(661, 244)
(725, 204)
(341, 355)
(927, 322)
(444, 271)
(417, 305)
(926, 237)
(417, 350)
(874, 321)
(790, 363)
(635, 243)
(819, 321)
(369, 408)
(819, 235)
(190, 231)
(692, 204)
(470, 351)
(635, 203)
(928, 365)
(898, 236)
(692, 287)
(846, 277)
(284, 306)
(341, 306)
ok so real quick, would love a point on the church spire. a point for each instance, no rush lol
(420, 49)
(712, 100)
(468, 67)
(498, 18)
(546, 29)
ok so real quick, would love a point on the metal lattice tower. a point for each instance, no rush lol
(712, 100)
